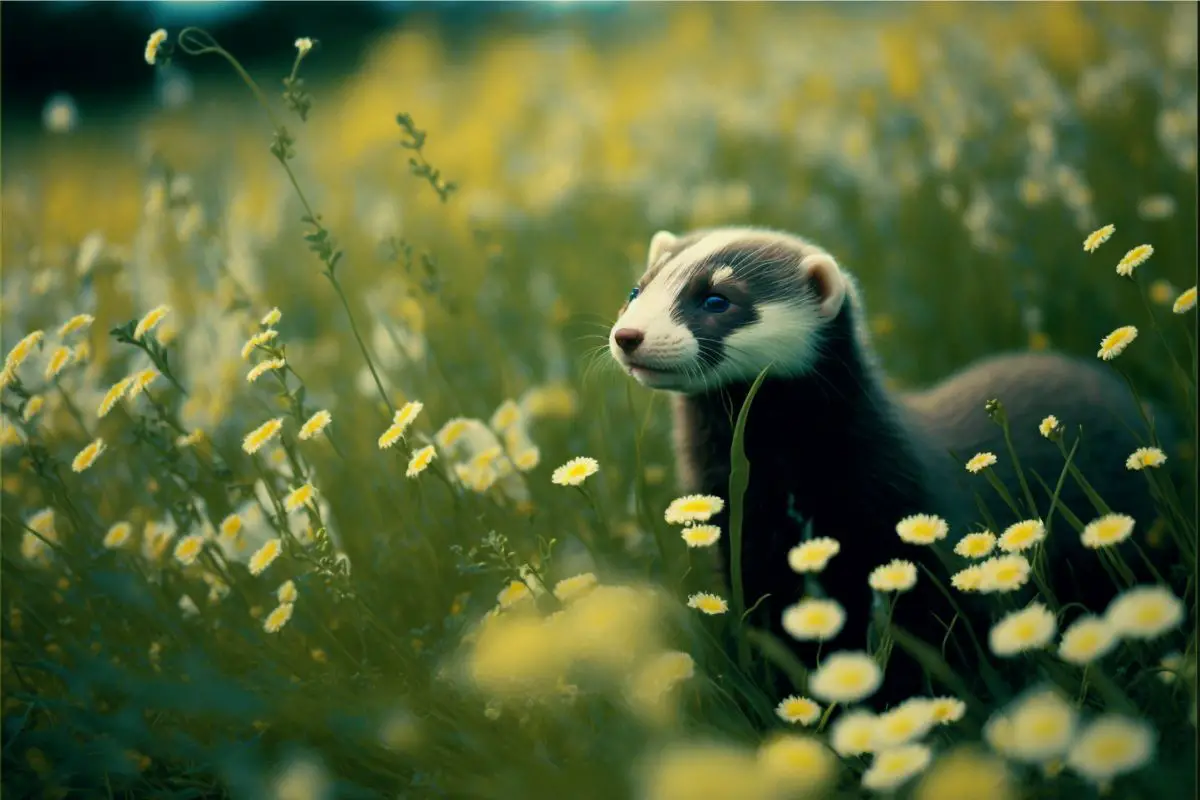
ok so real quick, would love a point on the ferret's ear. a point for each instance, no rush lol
(827, 281)
(659, 244)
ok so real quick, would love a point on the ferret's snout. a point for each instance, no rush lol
(628, 339)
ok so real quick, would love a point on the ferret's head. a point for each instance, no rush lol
(715, 307)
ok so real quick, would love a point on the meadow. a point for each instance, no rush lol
(299, 373)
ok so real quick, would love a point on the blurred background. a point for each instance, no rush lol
(952, 156)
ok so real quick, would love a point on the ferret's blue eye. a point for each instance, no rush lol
(715, 304)
(633, 293)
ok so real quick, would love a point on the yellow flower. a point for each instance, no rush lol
(265, 555)
(708, 603)
(515, 592)
(1185, 302)
(897, 575)
(1161, 291)
(568, 589)
(966, 772)
(701, 535)
(527, 459)
(846, 677)
(188, 549)
(506, 416)
(704, 771)
(231, 526)
(118, 535)
(271, 318)
(190, 439)
(278, 618)
(1115, 343)
(1144, 612)
(981, 461)
(813, 555)
(114, 394)
(261, 368)
(1134, 259)
(922, 529)
(693, 508)
(406, 414)
(1145, 457)
(1107, 530)
(891, 768)
(261, 435)
(287, 592)
(1111, 745)
(300, 496)
(908, 721)
(976, 545)
(1040, 727)
(813, 618)
(420, 460)
(797, 709)
(315, 424)
(451, 432)
(969, 579)
(9, 435)
(304, 45)
(152, 46)
(1050, 427)
(141, 381)
(575, 471)
(59, 360)
(1021, 536)
(32, 406)
(1018, 631)
(150, 321)
(88, 455)
(1088, 639)
(853, 733)
(947, 709)
(1004, 573)
(796, 765)
(21, 350)
(257, 340)
(74, 324)
(1098, 237)
(393, 434)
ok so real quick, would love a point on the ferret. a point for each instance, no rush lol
(829, 446)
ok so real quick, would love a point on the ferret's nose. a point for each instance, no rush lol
(628, 339)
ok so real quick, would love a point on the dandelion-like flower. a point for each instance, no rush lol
(278, 618)
(966, 772)
(451, 432)
(813, 555)
(1185, 302)
(1004, 573)
(315, 425)
(58, 361)
(846, 677)
(907, 722)
(299, 497)
(507, 415)
(188, 549)
(1111, 745)
(420, 460)
(796, 709)
(574, 587)
(980, 462)
(1029, 628)
(1115, 343)
(304, 45)
(1089, 638)
(264, 556)
(1107, 530)
(1145, 457)
(1134, 259)
(1021, 536)
(113, 395)
(1050, 427)
(853, 733)
(21, 350)
(708, 603)
(150, 321)
(976, 545)
(231, 526)
(527, 458)
(575, 471)
(922, 529)
(897, 575)
(88, 455)
(1041, 727)
(947, 709)
(255, 341)
(393, 434)
(814, 619)
(32, 407)
(701, 535)
(75, 324)
(141, 381)
(1098, 237)
(893, 767)
(271, 318)
(118, 536)
(405, 415)
(693, 508)
(515, 592)
(261, 368)
(262, 434)
(1144, 612)
(969, 579)
(795, 765)
(153, 44)
(287, 593)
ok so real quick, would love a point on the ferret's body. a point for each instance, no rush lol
(828, 446)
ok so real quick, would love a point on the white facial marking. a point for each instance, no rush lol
(786, 335)
(721, 274)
